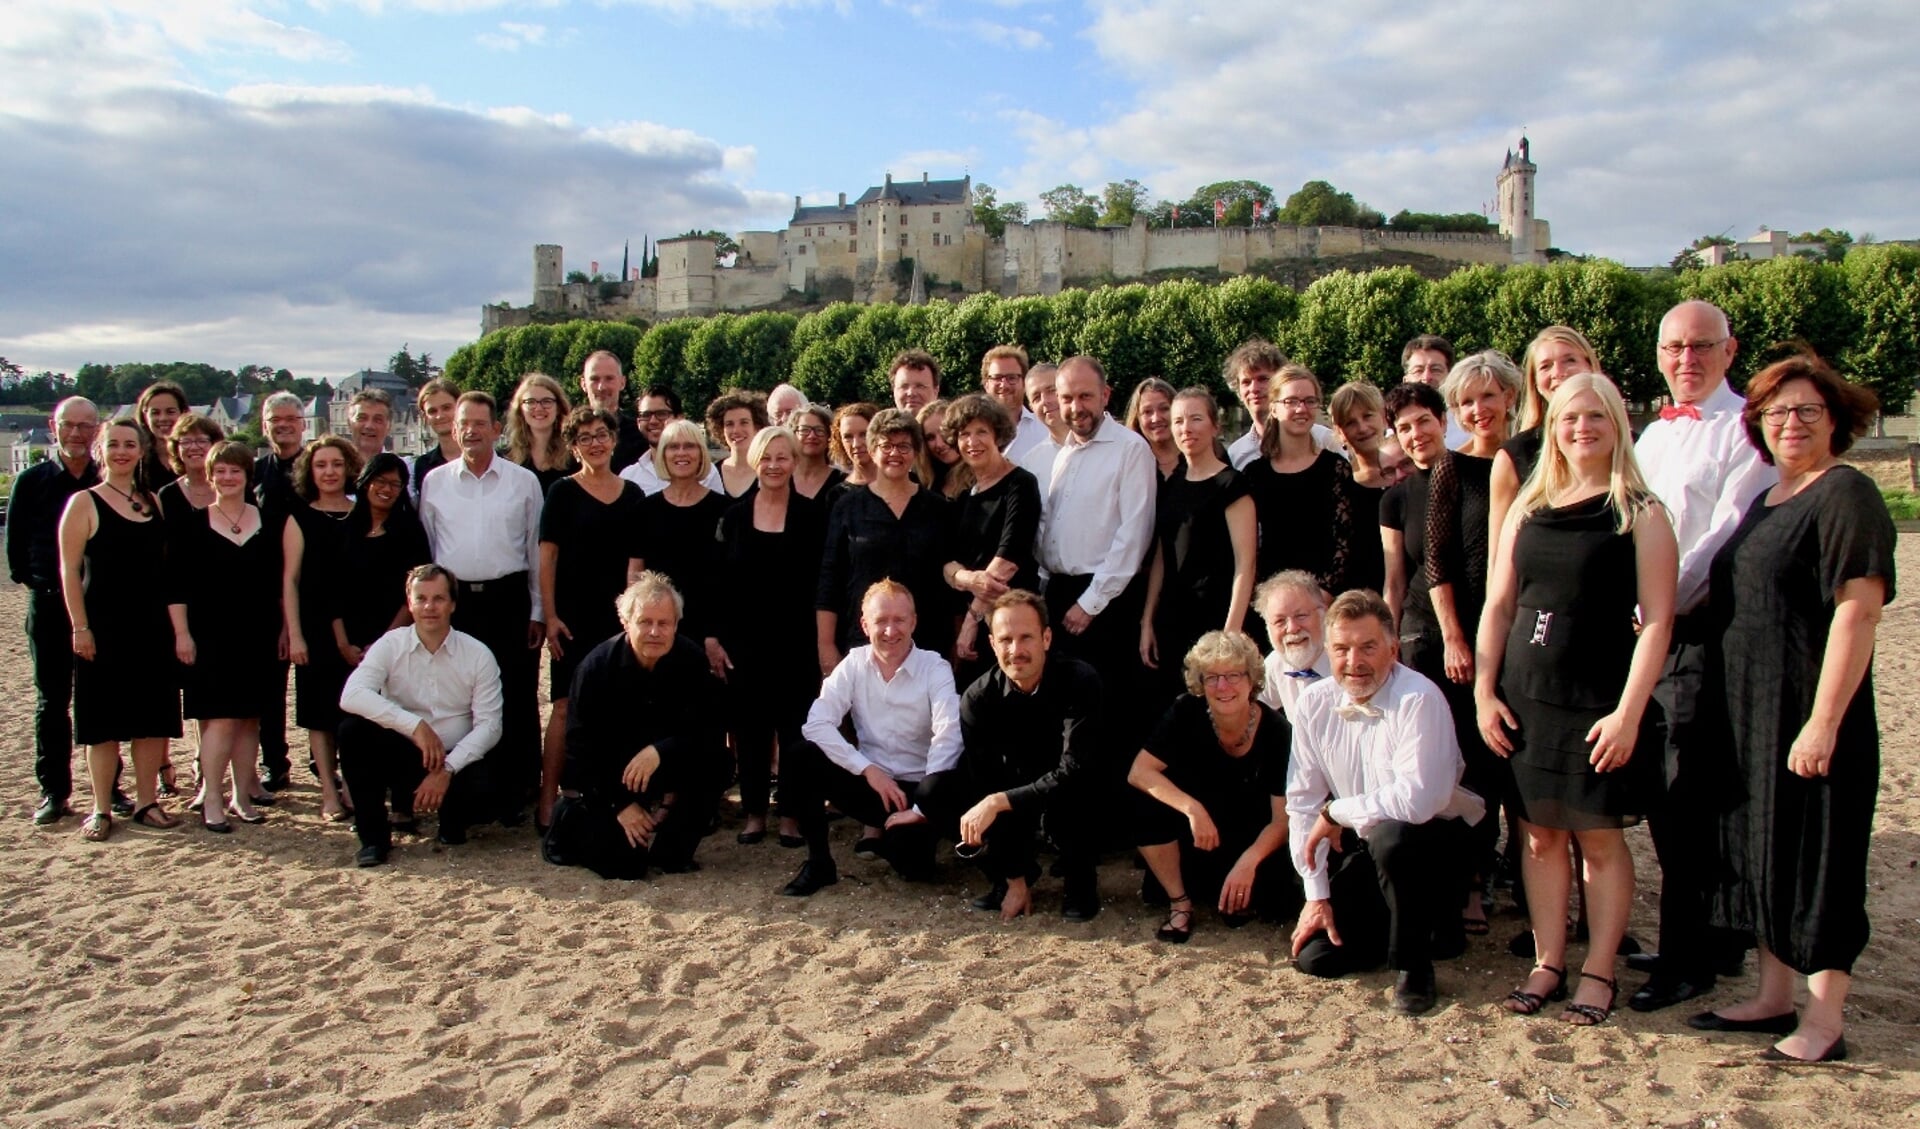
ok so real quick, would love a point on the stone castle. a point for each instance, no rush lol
(901, 237)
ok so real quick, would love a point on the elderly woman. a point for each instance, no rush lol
(1211, 816)
(227, 558)
(1150, 416)
(159, 408)
(1797, 593)
(850, 450)
(1299, 488)
(770, 545)
(939, 468)
(1563, 678)
(813, 471)
(680, 525)
(310, 552)
(733, 419)
(533, 420)
(1554, 354)
(889, 528)
(590, 551)
(123, 682)
(995, 521)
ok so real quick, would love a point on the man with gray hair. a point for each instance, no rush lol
(602, 380)
(40, 496)
(369, 419)
(782, 402)
(1294, 610)
(283, 421)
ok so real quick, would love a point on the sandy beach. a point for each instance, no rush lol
(179, 978)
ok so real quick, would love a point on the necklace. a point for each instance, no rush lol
(1244, 740)
(233, 523)
(136, 506)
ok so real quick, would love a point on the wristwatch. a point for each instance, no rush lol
(1326, 813)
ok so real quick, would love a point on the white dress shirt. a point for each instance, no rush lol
(1706, 473)
(1098, 514)
(1246, 449)
(909, 724)
(455, 690)
(642, 474)
(1395, 760)
(1028, 433)
(485, 526)
(1284, 683)
(1037, 460)
(1457, 436)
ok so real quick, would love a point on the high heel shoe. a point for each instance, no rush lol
(1522, 1002)
(1593, 1015)
(255, 818)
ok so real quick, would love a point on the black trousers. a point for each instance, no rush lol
(808, 781)
(378, 763)
(274, 758)
(50, 648)
(1488, 774)
(1070, 815)
(1685, 833)
(1110, 645)
(587, 832)
(763, 706)
(1391, 894)
(497, 612)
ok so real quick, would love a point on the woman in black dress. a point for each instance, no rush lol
(680, 530)
(383, 541)
(814, 474)
(1358, 412)
(851, 452)
(123, 679)
(770, 545)
(1150, 416)
(533, 428)
(1200, 575)
(1797, 593)
(1299, 489)
(1554, 354)
(590, 551)
(225, 561)
(182, 502)
(889, 528)
(1563, 680)
(733, 419)
(310, 553)
(996, 521)
(159, 408)
(1211, 808)
(1417, 415)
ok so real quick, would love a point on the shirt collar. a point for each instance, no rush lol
(493, 468)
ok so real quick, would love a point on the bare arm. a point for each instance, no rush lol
(76, 526)
(1393, 544)
(1502, 489)
(1156, 580)
(1490, 649)
(1244, 530)
(1656, 562)
(1849, 649)
(293, 545)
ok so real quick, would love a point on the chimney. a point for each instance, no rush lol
(889, 180)
(923, 177)
(843, 199)
(796, 203)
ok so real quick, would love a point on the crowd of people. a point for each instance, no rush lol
(1307, 676)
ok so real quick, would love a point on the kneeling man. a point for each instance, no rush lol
(418, 717)
(646, 753)
(1376, 811)
(1034, 743)
(896, 771)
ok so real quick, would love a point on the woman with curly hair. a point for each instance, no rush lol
(733, 419)
(310, 549)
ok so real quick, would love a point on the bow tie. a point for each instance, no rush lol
(1680, 411)
(1354, 711)
(1308, 674)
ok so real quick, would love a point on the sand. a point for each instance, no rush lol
(179, 978)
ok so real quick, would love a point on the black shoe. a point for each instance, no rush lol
(992, 899)
(1450, 945)
(1782, 1024)
(265, 799)
(49, 811)
(407, 826)
(275, 782)
(221, 828)
(121, 804)
(751, 838)
(1649, 963)
(1835, 1052)
(514, 818)
(793, 842)
(370, 856)
(451, 836)
(868, 848)
(1628, 947)
(678, 866)
(1664, 990)
(812, 876)
(1414, 991)
(1731, 964)
(1082, 899)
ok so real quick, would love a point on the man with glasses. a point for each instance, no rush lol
(603, 380)
(1249, 372)
(1294, 609)
(1427, 359)
(659, 406)
(1003, 376)
(283, 421)
(1697, 459)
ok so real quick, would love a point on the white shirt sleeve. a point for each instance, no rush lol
(1307, 789)
(486, 707)
(1425, 758)
(829, 710)
(1746, 476)
(1138, 484)
(944, 753)
(365, 693)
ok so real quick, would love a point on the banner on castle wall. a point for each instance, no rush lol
(1219, 211)
(594, 267)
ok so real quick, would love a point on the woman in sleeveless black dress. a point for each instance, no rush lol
(1554, 354)
(1562, 680)
(310, 550)
(124, 687)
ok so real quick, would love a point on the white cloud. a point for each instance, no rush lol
(1007, 35)
(513, 36)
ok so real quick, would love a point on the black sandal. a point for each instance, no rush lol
(1174, 934)
(156, 817)
(1592, 1015)
(1522, 1002)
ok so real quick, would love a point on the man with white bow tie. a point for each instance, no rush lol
(1294, 610)
(1375, 810)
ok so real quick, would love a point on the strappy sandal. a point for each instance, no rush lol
(1179, 924)
(167, 787)
(97, 828)
(156, 817)
(1592, 1015)
(1522, 1002)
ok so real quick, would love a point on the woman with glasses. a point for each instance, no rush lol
(533, 429)
(1210, 811)
(814, 474)
(733, 419)
(1797, 592)
(1299, 488)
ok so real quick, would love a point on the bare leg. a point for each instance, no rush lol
(321, 742)
(1543, 867)
(103, 766)
(1822, 1023)
(553, 758)
(244, 756)
(1607, 869)
(148, 752)
(1775, 996)
(1163, 860)
(216, 749)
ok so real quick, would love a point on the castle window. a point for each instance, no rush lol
(853, 246)
(904, 217)
(903, 239)
(936, 217)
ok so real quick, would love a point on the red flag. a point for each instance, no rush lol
(633, 274)
(1176, 215)
(1257, 211)
(1219, 210)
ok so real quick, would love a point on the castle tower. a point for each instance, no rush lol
(1515, 184)
(546, 276)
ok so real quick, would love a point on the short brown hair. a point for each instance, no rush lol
(914, 358)
(998, 351)
(580, 417)
(438, 386)
(188, 424)
(227, 452)
(478, 397)
(1360, 603)
(1427, 342)
(420, 574)
(1255, 353)
(1353, 398)
(1849, 405)
(1020, 598)
(977, 406)
(893, 421)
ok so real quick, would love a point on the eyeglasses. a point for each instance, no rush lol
(1295, 403)
(586, 437)
(384, 484)
(810, 432)
(538, 402)
(1224, 678)
(1776, 416)
(194, 441)
(1426, 370)
(905, 448)
(656, 415)
(1682, 348)
(1003, 378)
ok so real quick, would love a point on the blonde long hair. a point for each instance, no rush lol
(1552, 473)
(520, 436)
(1533, 406)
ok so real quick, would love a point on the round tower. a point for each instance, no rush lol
(887, 226)
(1515, 184)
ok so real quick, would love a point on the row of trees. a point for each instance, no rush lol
(1244, 203)
(112, 385)
(1860, 313)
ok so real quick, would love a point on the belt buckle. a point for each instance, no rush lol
(1542, 629)
(477, 585)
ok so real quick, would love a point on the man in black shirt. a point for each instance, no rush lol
(1033, 735)
(283, 422)
(603, 380)
(40, 496)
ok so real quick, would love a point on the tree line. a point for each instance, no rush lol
(1859, 313)
(1238, 203)
(110, 385)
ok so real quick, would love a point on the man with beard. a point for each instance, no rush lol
(1294, 610)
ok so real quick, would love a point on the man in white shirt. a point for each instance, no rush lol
(1698, 459)
(1043, 403)
(660, 406)
(482, 515)
(1427, 359)
(1375, 811)
(1003, 376)
(906, 724)
(1095, 527)
(1294, 610)
(418, 717)
(1249, 371)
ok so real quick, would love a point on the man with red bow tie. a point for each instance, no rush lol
(1698, 459)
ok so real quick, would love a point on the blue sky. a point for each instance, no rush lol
(309, 183)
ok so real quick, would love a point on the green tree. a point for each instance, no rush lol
(1121, 200)
(1237, 309)
(1775, 301)
(1457, 306)
(660, 358)
(1071, 205)
(1239, 197)
(1686, 259)
(1470, 223)
(1320, 204)
(960, 337)
(822, 370)
(1836, 243)
(989, 213)
(1884, 285)
(723, 244)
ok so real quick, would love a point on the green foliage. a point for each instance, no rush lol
(1470, 223)
(1319, 204)
(1778, 300)
(1458, 306)
(1071, 205)
(111, 385)
(723, 244)
(1239, 195)
(1121, 200)
(991, 214)
(1902, 505)
(1884, 283)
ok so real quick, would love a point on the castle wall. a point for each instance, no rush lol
(749, 288)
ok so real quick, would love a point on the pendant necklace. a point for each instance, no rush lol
(233, 523)
(135, 506)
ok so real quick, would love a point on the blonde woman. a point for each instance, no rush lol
(1555, 353)
(538, 406)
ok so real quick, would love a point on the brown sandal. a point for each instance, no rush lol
(97, 828)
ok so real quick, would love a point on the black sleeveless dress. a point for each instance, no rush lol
(230, 592)
(129, 689)
(1567, 658)
(317, 685)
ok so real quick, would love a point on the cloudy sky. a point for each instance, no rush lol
(311, 183)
